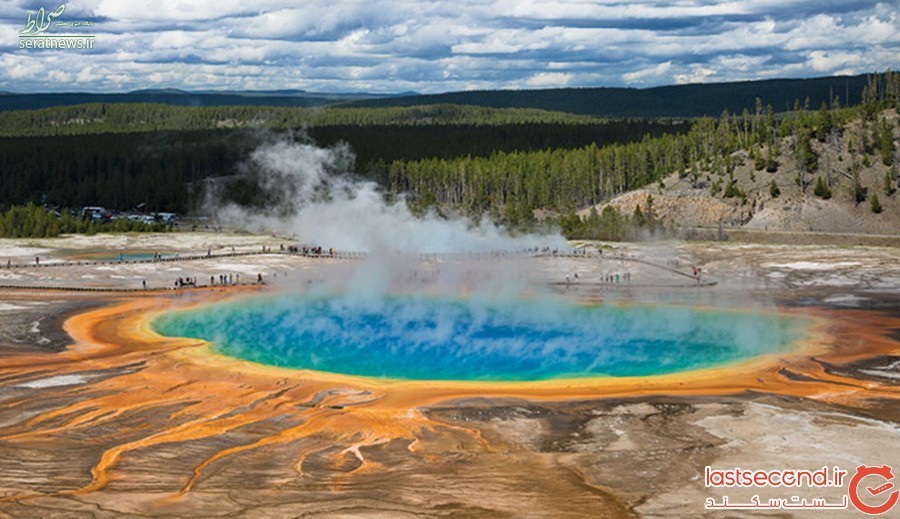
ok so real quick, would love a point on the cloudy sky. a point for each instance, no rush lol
(434, 46)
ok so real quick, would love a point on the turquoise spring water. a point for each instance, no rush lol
(421, 338)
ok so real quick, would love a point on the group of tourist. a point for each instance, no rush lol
(609, 279)
(225, 279)
(615, 279)
(183, 282)
(220, 280)
(542, 250)
(307, 250)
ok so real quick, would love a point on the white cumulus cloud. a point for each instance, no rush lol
(402, 45)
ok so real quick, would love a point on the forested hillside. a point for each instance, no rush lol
(510, 185)
(695, 100)
(121, 170)
(507, 170)
(122, 118)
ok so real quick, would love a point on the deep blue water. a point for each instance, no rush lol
(425, 338)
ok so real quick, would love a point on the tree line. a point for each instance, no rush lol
(95, 118)
(164, 169)
(34, 221)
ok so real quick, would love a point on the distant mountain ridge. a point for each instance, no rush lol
(694, 100)
(676, 101)
(173, 96)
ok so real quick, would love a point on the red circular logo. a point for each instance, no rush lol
(885, 473)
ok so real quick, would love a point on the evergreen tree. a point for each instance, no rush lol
(592, 225)
(809, 159)
(637, 218)
(774, 191)
(875, 204)
(759, 162)
(612, 223)
(889, 182)
(824, 123)
(729, 190)
(571, 225)
(857, 190)
(886, 143)
(822, 190)
(771, 163)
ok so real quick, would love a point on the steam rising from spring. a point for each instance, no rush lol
(401, 308)
(315, 198)
(453, 339)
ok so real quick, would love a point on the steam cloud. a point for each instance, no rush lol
(314, 197)
(351, 315)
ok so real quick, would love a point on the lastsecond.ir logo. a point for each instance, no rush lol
(884, 473)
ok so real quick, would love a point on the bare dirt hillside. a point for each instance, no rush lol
(682, 203)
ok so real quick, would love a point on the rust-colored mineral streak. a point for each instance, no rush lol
(147, 392)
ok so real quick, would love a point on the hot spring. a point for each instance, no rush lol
(433, 338)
